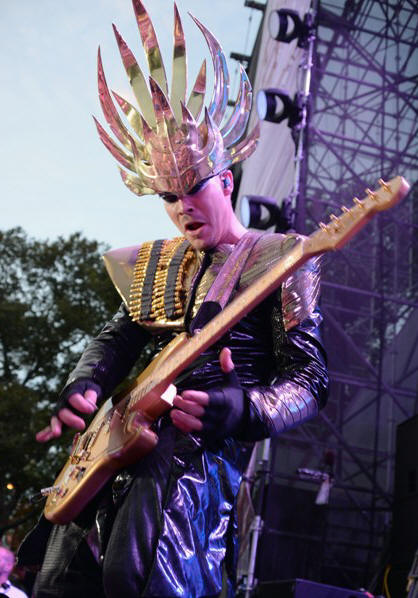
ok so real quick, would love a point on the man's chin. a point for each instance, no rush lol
(198, 242)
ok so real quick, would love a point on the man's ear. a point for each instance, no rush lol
(227, 182)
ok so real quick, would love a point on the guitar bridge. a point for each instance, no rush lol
(50, 490)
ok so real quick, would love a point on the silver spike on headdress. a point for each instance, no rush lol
(165, 149)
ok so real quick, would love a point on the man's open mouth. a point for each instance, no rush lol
(192, 226)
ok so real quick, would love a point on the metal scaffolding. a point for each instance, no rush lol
(362, 126)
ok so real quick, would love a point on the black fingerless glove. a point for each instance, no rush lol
(77, 387)
(225, 414)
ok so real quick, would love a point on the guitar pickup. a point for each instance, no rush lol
(80, 472)
(77, 473)
(86, 441)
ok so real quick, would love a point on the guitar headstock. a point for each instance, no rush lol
(340, 229)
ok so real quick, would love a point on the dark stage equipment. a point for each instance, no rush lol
(362, 124)
(293, 534)
(261, 212)
(405, 512)
(255, 5)
(285, 25)
(275, 105)
(301, 588)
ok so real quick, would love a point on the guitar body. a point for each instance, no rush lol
(119, 435)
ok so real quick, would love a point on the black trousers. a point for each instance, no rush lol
(81, 577)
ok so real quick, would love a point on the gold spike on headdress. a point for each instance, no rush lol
(166, 150)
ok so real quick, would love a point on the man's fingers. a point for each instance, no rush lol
(71, 419)
(91, 396)
(56, 426)
(44, 435)
(185, 422)
(189, 406)
(225, 359)
(52, 431)
(83, 404)
(197, 396)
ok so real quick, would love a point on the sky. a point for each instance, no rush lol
(56, 176)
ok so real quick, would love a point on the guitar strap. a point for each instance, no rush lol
(225, 282)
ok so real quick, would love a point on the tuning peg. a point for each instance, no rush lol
(385, 186)
(347, 211)
(371, 194)
(336, 221)
(358, 202)
(324, 227)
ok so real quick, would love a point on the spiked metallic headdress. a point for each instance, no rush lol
(171, 152)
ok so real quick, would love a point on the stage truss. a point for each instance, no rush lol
(362, 126)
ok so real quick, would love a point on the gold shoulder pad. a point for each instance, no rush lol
(120, 264)
(153, 278)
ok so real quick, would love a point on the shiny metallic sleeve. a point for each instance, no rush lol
(299, 384)
(280, 407)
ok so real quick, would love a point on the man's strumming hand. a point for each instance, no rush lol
(217, 412)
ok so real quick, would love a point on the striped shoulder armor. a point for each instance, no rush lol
(152, 278)
(300, 291)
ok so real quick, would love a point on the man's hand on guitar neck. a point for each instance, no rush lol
(216, 413)
(79, 397)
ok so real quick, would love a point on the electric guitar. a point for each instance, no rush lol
(120, 434)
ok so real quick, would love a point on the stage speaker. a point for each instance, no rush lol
(301, 588)
(405, 519)
(292, 540)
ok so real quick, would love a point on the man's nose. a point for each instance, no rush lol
(185, 203)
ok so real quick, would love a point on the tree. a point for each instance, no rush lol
(54, 296)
